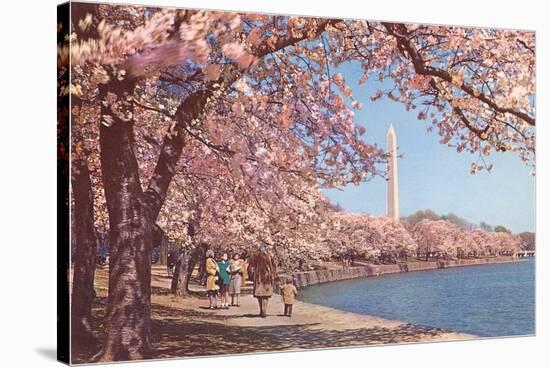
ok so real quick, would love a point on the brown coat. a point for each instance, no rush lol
(263, 270)
(289, 292)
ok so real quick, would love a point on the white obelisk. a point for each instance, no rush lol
(393, 189)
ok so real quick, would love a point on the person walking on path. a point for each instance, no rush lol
(224, 274)
(264, 272)
(236, 267)
(212, 271)
(289, 292)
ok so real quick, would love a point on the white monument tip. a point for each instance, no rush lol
(391, 130)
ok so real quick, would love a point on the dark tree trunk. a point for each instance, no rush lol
(202, 273)
(132, 214)
(180, 279)
(85, 255)
(184, 268)
(175, 278)
(128, 325)
(163, 251)
(161, 241)
(199, 257)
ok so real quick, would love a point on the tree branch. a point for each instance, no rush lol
(190, 109)
(399, 31)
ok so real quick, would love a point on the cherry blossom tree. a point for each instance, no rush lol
(391, 238)
(528, 240)
(349, 237)
(448, 239)
(505, 243)
(207, 204)
(369, 237)
(437, 238)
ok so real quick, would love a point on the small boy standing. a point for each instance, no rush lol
(289, 292)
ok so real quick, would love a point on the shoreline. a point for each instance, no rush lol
(304, 279)
(315, 277)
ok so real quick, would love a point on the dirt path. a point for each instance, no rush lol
(183, 327)
(188, 328)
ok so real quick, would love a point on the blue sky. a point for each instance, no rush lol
(434, 176)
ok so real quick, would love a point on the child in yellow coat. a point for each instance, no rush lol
(289, 293)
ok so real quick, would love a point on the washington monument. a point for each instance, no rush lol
(392, 192)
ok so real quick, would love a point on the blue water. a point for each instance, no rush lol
(485, 300)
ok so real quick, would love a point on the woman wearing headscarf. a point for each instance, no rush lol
(263, 272)
(212, 271)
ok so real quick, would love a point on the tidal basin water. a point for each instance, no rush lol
(485, 300)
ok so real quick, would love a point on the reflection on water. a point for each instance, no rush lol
(486, 300)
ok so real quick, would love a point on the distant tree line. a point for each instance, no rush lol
(527, 238)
